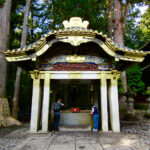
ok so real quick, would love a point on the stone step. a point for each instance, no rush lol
(75, 128)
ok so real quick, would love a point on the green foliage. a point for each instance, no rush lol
(140, 2)
(121, 89)
(132, 34)
(134, 79)
(25, 92)
(141, 106)
(147, 116)
(2, 3)
(14, 42)
(52, 13)
(147, 92)
(145, 26)
(16, 23)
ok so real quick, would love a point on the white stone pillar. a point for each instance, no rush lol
(35, 110)
(114, 105)
(46, 102)
(104, 109)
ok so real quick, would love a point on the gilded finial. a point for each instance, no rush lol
(75, 22)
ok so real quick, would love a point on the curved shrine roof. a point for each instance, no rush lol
(75, 33)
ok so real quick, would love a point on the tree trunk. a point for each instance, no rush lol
(110, 3)
(118, 23)
(19, 70)
(119, 31)
(16, 92)
(5, 118)
(4, 38)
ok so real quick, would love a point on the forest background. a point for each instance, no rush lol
(47, 15)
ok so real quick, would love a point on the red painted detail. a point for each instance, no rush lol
(75, 67)
(75, 109)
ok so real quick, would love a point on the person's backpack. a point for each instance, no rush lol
(56, 107)
(95, 110)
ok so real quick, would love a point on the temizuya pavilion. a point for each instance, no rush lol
(75, 56)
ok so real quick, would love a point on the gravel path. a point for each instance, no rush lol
(12, 136)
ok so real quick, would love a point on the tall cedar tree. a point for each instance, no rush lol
(120, 16)
(110, 6)
(19, 69)
(5, 118)
(4, 38)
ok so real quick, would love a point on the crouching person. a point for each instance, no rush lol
(95, 116)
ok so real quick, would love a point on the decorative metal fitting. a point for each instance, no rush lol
(36, 73)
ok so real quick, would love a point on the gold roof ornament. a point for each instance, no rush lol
(75, 58)
(75, 22)
(77, 32)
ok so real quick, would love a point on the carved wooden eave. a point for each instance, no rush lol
(75, 33)
(146, 63)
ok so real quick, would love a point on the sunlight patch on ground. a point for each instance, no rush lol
(127, 142)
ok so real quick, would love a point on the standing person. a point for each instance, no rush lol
(95, 115)
(56, 109)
